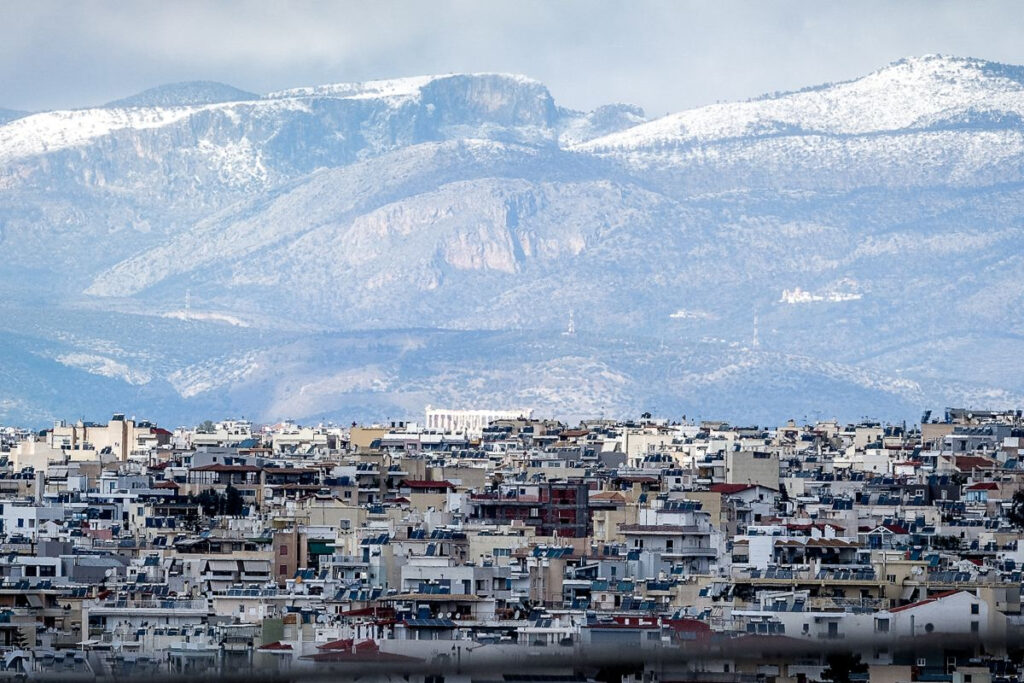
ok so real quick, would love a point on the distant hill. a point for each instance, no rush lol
(181, 94)
(10, 114)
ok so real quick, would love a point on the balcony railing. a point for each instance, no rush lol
(149, 604)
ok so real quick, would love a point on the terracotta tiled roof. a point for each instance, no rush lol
(937, 596)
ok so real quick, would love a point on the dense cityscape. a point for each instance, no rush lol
(483, 535)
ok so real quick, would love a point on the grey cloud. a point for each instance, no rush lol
(665, 56)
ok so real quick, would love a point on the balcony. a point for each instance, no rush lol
(689, 551)
(120, 607)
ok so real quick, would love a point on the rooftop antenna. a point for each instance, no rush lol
(570, 331)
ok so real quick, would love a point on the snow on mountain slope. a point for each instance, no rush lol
(576, 128)
(187, 93)
(393, 87)
(50, 131)
(328, 197)
(410, 86)
(91, 187)
(498, 98)
(909, 94)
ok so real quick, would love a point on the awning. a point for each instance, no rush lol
(222, 565)
(256, 566)
(908, 593)
(34, 600)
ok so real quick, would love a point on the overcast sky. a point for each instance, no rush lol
(664, 56)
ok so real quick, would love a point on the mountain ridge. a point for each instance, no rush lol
(814, 235)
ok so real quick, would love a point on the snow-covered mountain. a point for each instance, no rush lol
(844, 247)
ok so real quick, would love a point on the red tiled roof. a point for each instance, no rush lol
(424, 484)
(344, 644)
(277, 646)
(688, 625)
(970, 462)
(937, 596)
(984, 486)
(728, 489)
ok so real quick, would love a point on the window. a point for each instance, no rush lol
(668, 544)
(975, 608)
(282, 569)
(283, 551)
(881, 625)
(974, 627)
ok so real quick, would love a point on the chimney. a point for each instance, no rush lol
(40, 485)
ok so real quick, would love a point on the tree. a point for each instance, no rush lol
(233, 502)
(1016, 513)
(211, 502)
(945, 543)
(191, 520)
(841, 665)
